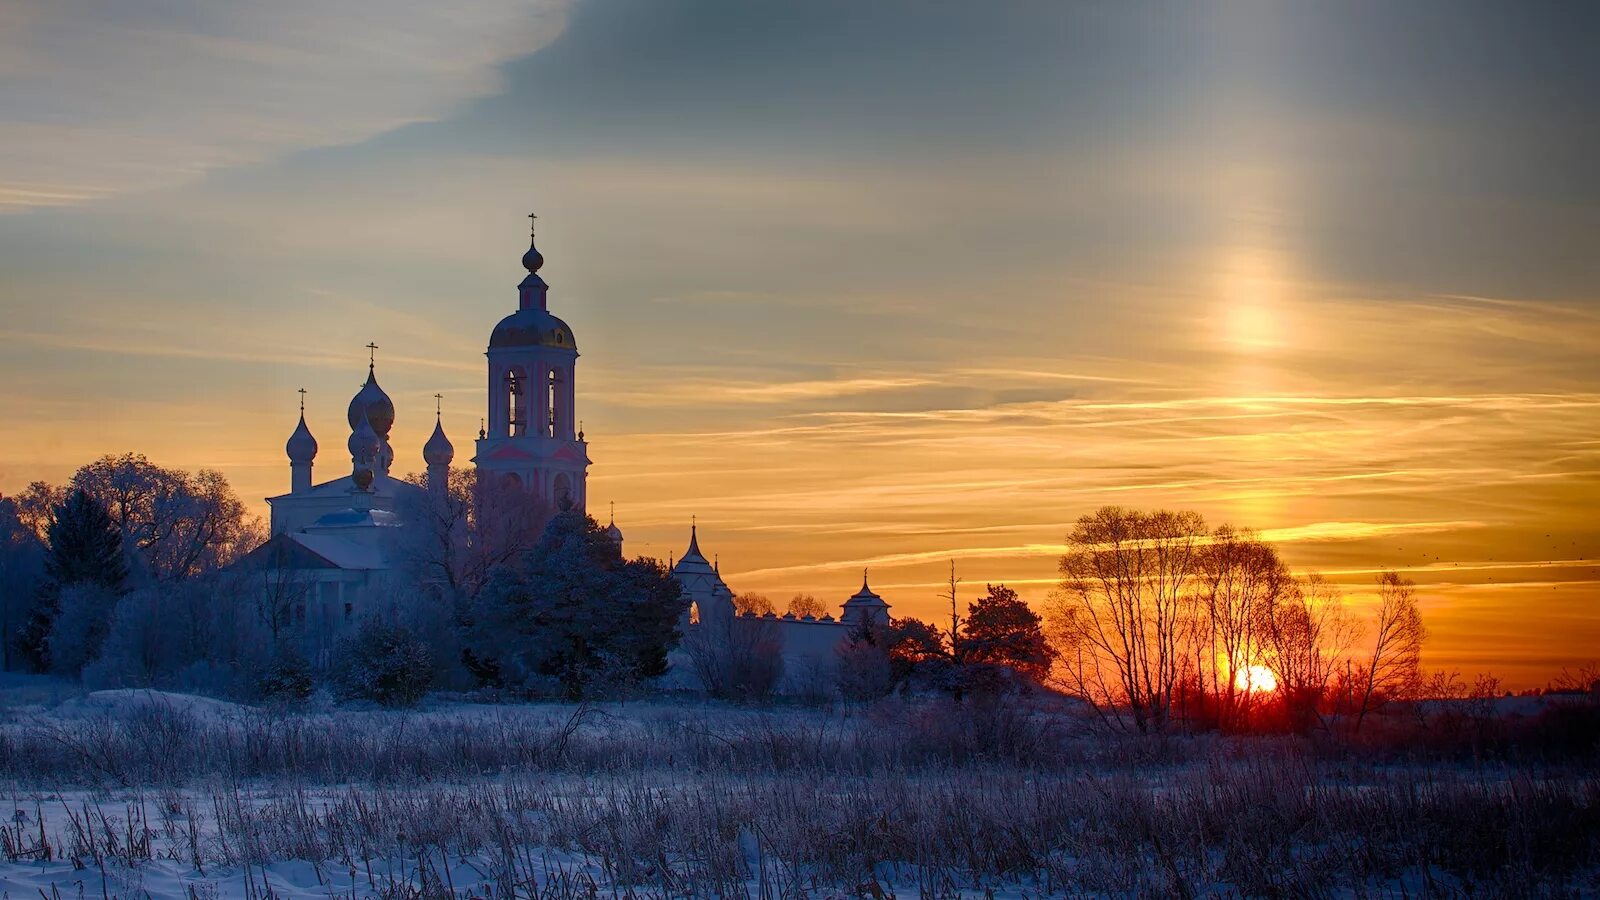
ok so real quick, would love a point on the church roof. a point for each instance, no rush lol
(532, 327)
(341, 552)
(438, 451)
(302, 447)
(382, 486)
(313, 551)
(865, 595)
(375, 404)
(693, 562)
(356, 518)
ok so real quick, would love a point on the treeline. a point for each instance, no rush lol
(1161, 618)
(121, 524)
(134, 575)
(1161, 622)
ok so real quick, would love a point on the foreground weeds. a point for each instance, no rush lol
(661, 801)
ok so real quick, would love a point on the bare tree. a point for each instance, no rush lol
(803, 605)
(752, 603)
(461, 534)
(1125, 618)
(1239, 579)
(1395, 668)
(736, 658)
(955, 620)
(1306, 633)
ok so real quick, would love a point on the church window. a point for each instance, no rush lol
(550, 400)
(349, 611)
(515, 402)
(694, 614)
(299, 613)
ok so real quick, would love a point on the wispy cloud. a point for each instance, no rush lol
(103, 100)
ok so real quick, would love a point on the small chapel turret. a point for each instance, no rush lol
(532, 440)
(302, 451)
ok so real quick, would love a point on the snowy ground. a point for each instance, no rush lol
(132, 793)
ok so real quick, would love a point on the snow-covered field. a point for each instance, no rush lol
(133, 794)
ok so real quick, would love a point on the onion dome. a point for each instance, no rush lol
(533, 259)
(364, 444)
(438, 451)
(374, 404)
(302, 447)
(362, 477)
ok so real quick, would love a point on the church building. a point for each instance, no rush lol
(332, 543)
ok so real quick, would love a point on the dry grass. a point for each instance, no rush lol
(684, 801)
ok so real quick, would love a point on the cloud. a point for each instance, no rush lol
(104, 99)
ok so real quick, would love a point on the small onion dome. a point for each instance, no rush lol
(374, 404)
(302, 447)
(613, 532)
(532, 327)
(438, 451)
(533, 260)
(362, 477)
(364, 443)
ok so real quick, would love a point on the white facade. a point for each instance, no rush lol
(809, 645)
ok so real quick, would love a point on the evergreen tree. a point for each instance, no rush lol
(1001, 629)
(576, 618)
(84, 547)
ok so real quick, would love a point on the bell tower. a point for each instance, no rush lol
(531, 439)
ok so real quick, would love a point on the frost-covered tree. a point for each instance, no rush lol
(382, 662)
(200, 634)
(459, 535)
(173, 524)
(83, 547)
(737, 657)
(575, 617)
(21, 571)
(83, 619)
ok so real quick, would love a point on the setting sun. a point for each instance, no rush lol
(1256, 680)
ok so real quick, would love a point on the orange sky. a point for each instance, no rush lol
(1282, 268)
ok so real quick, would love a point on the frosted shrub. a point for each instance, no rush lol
(385, 663)
(284, 679)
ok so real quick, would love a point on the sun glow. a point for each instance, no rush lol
(1255, 680)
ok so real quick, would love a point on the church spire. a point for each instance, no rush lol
(302, 451)
(533, 259)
